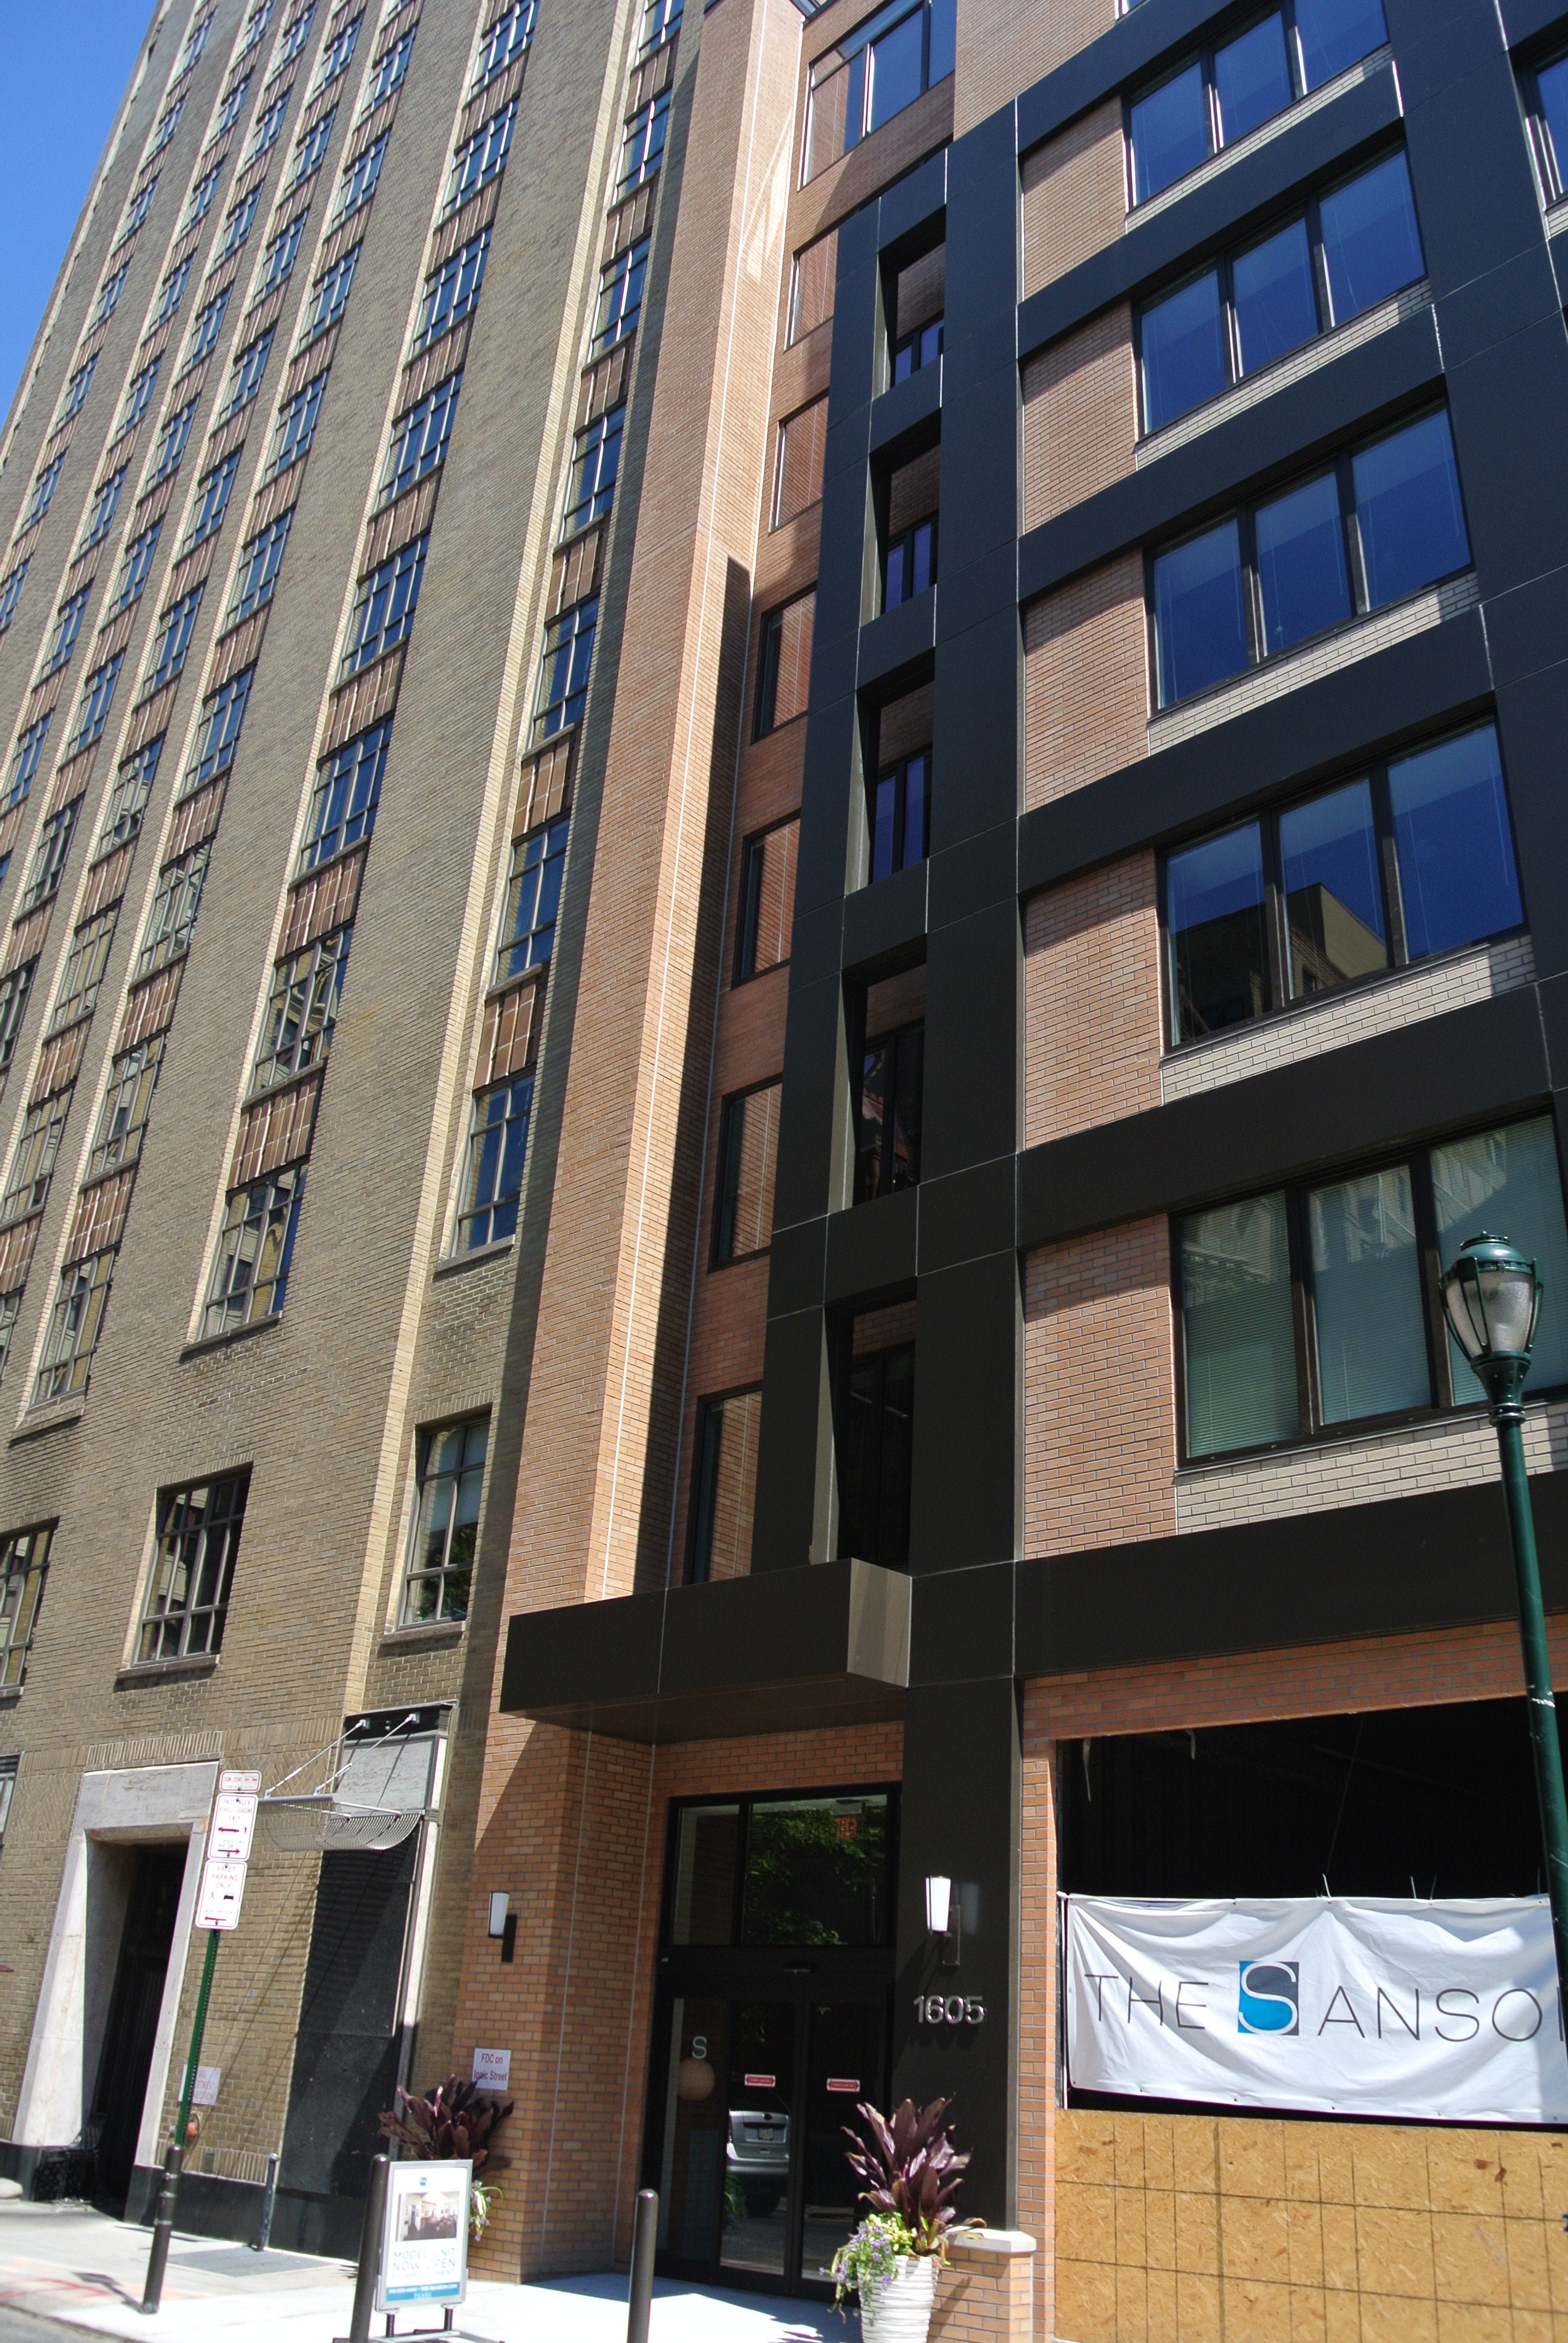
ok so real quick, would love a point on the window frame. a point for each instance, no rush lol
(19, 1625)
(769, 643)
(232, 1304)
(731, 1121)
(498, 1202)
(111, 1150)
(415, 1571)
(76, 1326)
(900, 1042)
(704, 1461)
(747, 906)
(219, 482)
(1548, 164)
(99, 525)
(151, 1621)
(582, 512)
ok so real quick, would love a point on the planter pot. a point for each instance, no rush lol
(899, 2310)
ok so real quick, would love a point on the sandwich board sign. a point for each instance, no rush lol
(424, 2233)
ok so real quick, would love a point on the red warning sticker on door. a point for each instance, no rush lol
(761, 2082)
(843, 2082)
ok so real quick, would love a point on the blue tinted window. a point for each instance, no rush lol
(1508, 1181)
(1302, 563)
(1552, 83)
(1200, 613)
(1276, 303)
(1334, 33)
(1371, 244)
(1170, 133)
(1408, 509)
(1215, 915)
(1456, 872)
(1251, 78)
(1183, 351)
(1333, 901)
(896, 69)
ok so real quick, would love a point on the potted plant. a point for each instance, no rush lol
(912, 2173)
(456, 2120)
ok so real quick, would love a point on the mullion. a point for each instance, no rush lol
(1276, 925)
(1247, 539)
(1388, 868)
(1303, 1319)
(1440, 1363)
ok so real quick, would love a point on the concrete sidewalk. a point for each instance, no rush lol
(67, 2262)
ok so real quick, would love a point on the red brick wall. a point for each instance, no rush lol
(1085, 680)
(1074, 195)
(1079, 416)
(1091, 1000)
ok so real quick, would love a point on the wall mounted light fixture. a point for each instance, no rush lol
(942, 1918)
(499, 1903)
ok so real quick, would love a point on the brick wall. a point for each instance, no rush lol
(1074, 195)
(1091, 1000)
(1079, 416)
(1005, 46)
(1085, 680)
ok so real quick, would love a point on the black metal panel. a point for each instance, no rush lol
(872, 1249)
(961, 1624)
(899, 640)
(974, 874)
(977, 748)
(970, 1212)
(1533, 725)
(909, 408)
(795, 1447)
(1523, 20)
(884, 923)
(913, 201)
(814, 1102)
(964, 1499)
(973, 1041)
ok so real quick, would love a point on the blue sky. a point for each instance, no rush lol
(62, 65)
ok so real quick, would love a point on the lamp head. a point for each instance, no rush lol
(1492, 1296)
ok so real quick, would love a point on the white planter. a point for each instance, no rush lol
(899, 2310)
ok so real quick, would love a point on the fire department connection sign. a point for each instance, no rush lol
(1347, 2005)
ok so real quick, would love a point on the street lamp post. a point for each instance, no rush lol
(1492, 1296)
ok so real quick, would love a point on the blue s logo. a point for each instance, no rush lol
(1271, 1999)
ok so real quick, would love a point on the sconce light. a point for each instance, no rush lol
(499, 1905)
(942, 1918)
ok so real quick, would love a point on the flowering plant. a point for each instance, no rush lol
(870, 2255)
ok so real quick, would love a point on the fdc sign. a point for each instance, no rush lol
(1347, 2005)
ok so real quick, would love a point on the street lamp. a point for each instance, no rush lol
(1492, 1298)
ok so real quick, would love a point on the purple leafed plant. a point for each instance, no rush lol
(455, 2119)
(911, 2169)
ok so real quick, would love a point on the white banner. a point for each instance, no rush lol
(1350, 2006)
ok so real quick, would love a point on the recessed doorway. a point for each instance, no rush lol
(135, 2000)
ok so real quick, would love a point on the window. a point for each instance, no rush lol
(267, 126)
(419, 437)
(135, 565)
(138, 397)
(596, 462)
(563, 670)
(388, 71)
(909, 563)
(237, 226)
(172, 291)
(901, 813)
(106, 504)
(278, 255)
(1230, 90)
(1319, 1306)
(808, 1871)
(14, 988)
(97, 697)
(259, 563)
(661, 23)
(642, 144)
(171, 444)
(44, 488)
(533, 901)
(784, 667)
(255, 26)
(1354, 248)
(26, 761)
(876, 1456)
(109, 295)
(479, 158)
(171, 922)
(724, 1486)
(1415, 858)
(295, 427)
(63, 636)
(493, 1174)
(211, 495)
(747, 1157)
(197, 1541)
(508, 37)
(23, 1567)
(76, 1323)
(140, 204)
(77, 390)
(169, 122)
(302, 1008)
(1383, 523)
(295, 33)
(811, 287)
(452, 290)
(920, 349)
(76, 994)
(205, 327)
(884, 66)
(767, 899)
(248, 369)
(384, 610)
(128, 797)
(335, 56)
(1549, 121)
(218, 734)
(173, 639)
(49, 856)
(127, 1103)
(329, 296)
(202, 194)
(195, 42)
(348, 792)
(311, 146)
(619, 297)
(797, 473)
(32, 1165)
(450, 1476)
(11, 591)
(888, 1115)
(359, 179)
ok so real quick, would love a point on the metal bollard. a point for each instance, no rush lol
(369, 2255)
(644, 2236)
(268, 2201)
(162, 2225)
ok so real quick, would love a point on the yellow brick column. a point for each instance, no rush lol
(986, 2294)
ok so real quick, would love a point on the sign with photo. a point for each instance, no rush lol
(424, 2236)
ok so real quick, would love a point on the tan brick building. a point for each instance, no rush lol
(781, 800)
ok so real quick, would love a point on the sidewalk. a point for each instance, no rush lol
(68, 2263)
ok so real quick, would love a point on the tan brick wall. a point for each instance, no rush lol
(1079, 416)
(1091, 1000)
(1074, 194)
(985, 2293)
(1094, 1477)
(1004, 46)
(1085, 680)
(1037, 2010)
